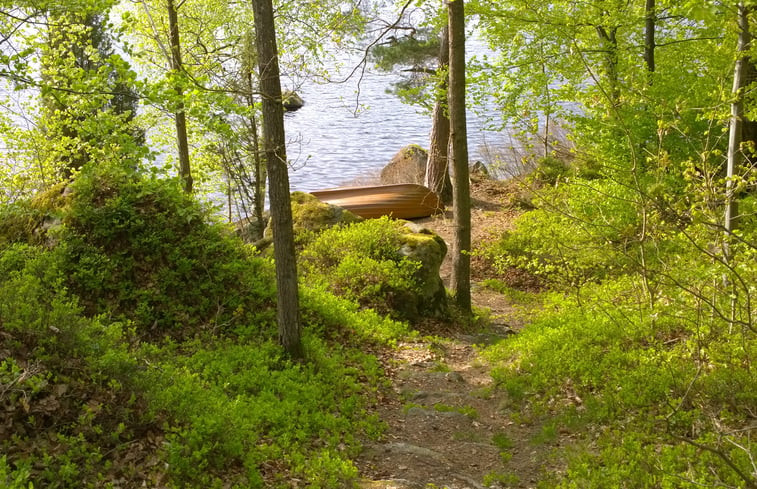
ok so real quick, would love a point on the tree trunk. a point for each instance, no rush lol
(650, 20)
(437, 166)
(735, 154)
(609, 42)
(749, 126)
(459, 139)
(179, 115)
(288, 308)
(260, 174)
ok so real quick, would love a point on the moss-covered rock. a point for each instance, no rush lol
(31, 221)
(291, 100)
(424, 246)
(310, 217)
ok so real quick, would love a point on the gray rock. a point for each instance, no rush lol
(408, 449)
(407, 166)
(291, 100)
(389, 484)
(479, 168)
(429, 249)
(249, 229)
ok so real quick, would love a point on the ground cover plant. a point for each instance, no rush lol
(643, 350)
(168, 373)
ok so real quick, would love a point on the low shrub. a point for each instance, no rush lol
(137, 349)
(574, 238)
(287, 421)
(362, 262)
(65, 380)
(647, 383)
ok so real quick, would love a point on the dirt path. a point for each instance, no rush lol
(447, 425)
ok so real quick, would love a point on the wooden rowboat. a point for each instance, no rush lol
(401, 201)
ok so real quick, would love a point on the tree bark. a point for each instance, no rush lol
(459, 141)
(735, 154)
(180, 116)
(437, 165)
(288, 309)
(650, 21)
(609, 42)
(260, 174)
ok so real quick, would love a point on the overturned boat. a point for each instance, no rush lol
(401, 201)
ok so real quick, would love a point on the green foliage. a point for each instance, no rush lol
(342, 319)
(550, 170)
(301, 420)
(646, 377)
(585, 231)
(362, 262)
(64, 379)
(86, 401)
(500, 478)
(415, 51)
(139, 248)
(92, 282)
(468, 411)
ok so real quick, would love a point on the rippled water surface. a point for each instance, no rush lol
(332, 144)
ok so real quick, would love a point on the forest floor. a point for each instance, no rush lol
(448, 427)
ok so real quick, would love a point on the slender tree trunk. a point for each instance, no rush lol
(650, 21)
(749, 126)
(179, 115)
(437, 166)
(459, 138)
(735, 154)
(609, 42)
(260, 174)
(288, 307)
(548, 99)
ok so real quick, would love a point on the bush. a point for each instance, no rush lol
(643, 383)
(138, 249)
(288, 421)
(576, 237)
(362, 262)
(65, 379)
(93, 394)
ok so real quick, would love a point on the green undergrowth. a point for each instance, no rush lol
(362, 262)
(138, 349)
(641, 352)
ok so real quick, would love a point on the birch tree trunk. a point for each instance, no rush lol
(735, 154)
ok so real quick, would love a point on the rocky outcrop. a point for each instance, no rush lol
(478, 168)
(310, 214)
(407, 166)
(291, 100)
(430, 299)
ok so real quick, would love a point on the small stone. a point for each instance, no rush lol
(454, 377)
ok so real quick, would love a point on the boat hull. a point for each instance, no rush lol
(401, 201)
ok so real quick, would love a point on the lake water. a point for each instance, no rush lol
(331, 144)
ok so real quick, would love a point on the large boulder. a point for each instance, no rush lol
(407, 166)
(423, 245)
